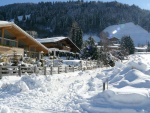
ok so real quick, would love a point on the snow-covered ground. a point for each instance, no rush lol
(81, 92)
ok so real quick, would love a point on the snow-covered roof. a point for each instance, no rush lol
(53, 39)
(141, 48)
(18, 30)
(4, 22)
(56, 39)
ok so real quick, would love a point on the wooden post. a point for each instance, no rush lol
(104, 86)
(73, 68)
(35, 69)
(0, 72)
(19, 70)
(51, 70)
(44, 70)
(81, 64)
(58, 69)
(66, 69)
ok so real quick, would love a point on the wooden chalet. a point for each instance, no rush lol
(114, 40)
(12, 37)
(61, 44)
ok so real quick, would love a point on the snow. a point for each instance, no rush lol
(81, 91)
(52, 39)
(4, 22)
(137, 33)
(141, 48)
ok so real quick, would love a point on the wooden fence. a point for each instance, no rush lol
(20, 70)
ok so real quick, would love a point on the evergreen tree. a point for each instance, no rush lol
(76, 34)
(89, 50)
(91, 41)
(127, 45)
(24, 18)
(16, 20)
(79, 40)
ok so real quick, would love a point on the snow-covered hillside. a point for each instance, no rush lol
(137, 33)
(81, 92)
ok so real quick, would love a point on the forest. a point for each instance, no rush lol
(55, 18)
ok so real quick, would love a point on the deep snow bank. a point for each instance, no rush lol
(81, 92)
(129, 88)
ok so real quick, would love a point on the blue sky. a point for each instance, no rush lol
(144, 4)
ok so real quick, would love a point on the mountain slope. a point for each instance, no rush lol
(137, 33)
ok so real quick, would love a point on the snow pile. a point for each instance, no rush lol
(4, 109)
(128, 88)
(81, 91)
(133, 78)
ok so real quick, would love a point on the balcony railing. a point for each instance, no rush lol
(8, 42)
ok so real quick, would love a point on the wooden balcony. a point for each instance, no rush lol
(8, 42)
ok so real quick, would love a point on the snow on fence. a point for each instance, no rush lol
(19, 70)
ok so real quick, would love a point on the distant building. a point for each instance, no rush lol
(114, 40)
(141, 49)
(138, 34)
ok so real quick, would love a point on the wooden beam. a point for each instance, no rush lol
(6, 26)
(33, 46)
(21, 37)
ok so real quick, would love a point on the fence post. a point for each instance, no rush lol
(19, 70)
(103, 86)
(35, 69)
(65, 69)
(51, 70)
(58, 69)
(73, 68)
(0, 72)
(44, 70)
(81, 64)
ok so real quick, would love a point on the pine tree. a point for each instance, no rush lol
(76, 34)
(89, 50)
(127, 45)
(79, 40)
(24, 18)
(91, 41)
(16, 20)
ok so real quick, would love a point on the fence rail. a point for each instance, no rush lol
(19, 70)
